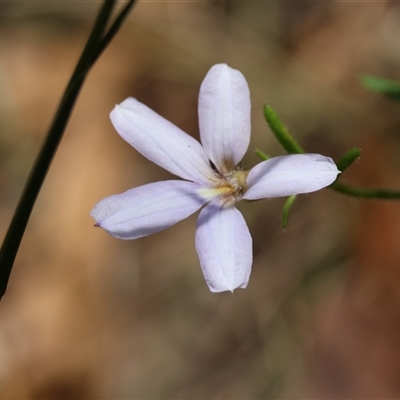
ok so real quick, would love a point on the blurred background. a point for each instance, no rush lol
(89, 316)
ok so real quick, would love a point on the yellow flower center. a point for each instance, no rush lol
(229, 189)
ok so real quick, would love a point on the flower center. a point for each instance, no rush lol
(229, 190)
(236, 180)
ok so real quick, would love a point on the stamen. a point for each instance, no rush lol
(229, 190)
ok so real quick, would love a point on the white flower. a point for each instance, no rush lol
(223, 241)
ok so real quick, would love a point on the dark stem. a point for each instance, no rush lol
(94, 46)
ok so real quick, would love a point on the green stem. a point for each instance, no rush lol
(95, 45)
(381, 194)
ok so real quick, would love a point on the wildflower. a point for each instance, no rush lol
(211, 176)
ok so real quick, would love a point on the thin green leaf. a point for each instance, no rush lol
(286, 210)
(347, 159)
(261, 155)
(387, 87)
(280, 132)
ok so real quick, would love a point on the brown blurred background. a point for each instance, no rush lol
(88, 316)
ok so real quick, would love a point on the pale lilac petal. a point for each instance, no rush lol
(147, 209)
(291, 174)
(161, 141)
(224, 116)
(224, 246)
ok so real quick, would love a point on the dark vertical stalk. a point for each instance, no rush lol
(97, 42)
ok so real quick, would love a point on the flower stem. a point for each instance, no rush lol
(353, 191)
(96, 43)
(119, 20)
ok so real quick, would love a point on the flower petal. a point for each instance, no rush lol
(147, 209)
(224, 116)
(291, 174)
(224, 246)
(161, 141)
